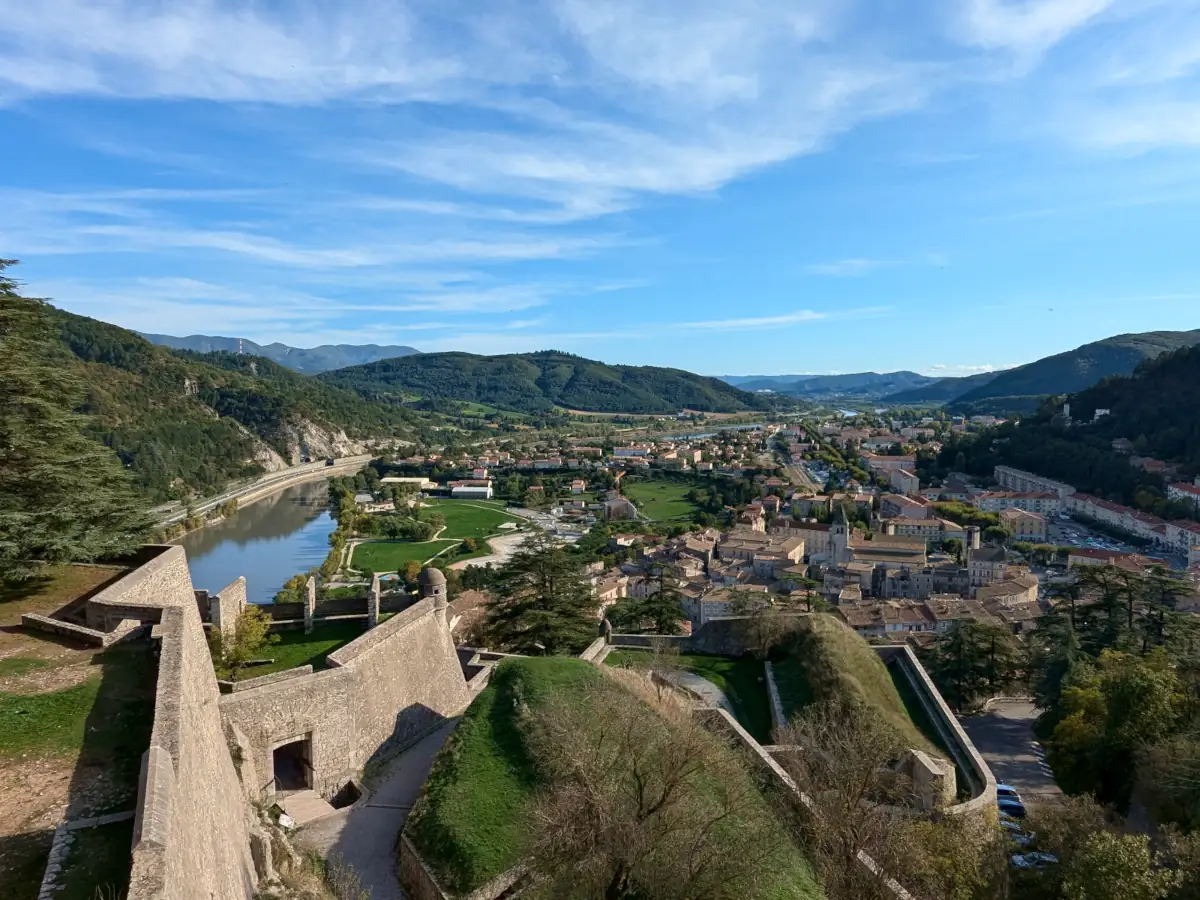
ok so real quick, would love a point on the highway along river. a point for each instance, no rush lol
(269, 541)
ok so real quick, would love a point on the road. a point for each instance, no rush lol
(1004, 736)
(268, 484)
(799, 476)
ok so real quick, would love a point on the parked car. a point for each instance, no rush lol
(1007, 791)
(1033, 860)
(1012, 808)
(1015, 832)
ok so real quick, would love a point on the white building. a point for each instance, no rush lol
(471, 490)
(1185, 491)
(1019, 480)
(1045, 503)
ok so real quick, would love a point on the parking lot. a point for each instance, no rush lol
(1004, 737)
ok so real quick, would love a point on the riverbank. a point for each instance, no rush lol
(266, 486)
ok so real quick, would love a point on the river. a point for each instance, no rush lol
(268, 541)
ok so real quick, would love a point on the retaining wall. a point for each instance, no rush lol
(979, 777)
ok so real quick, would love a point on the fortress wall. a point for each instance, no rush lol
(190, 836)
(382, 691)
(409, 679)
(320, 707)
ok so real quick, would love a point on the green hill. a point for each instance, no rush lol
(824, 659)
(185, 423)
(309, 361)
(538, 382)
(1078, 369)
(944, 390)
(1157, 409)
(474, 819)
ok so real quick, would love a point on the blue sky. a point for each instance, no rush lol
(754, 187)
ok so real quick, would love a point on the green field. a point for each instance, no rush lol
(659, 500)
(295, 648)
(108, 716)
(473, 819)
(464, 519)
(393, 556)
(742, 681)
(476, 519)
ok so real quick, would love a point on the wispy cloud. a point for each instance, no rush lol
(849, 267)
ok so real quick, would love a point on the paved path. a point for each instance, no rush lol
(711, 694)
(1004, 736)
(364, 835)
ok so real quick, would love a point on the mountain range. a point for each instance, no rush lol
(854, 386)
(309, 361)
(540, 382)
(1063, 373)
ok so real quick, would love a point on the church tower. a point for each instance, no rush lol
(839, 538)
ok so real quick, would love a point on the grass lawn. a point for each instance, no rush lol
(659, 500)
(106, 718)
(738, 678)
(21, 665)
(472, 821)
(99, 860)
(295, 648)
(464, 520)
(393, 556)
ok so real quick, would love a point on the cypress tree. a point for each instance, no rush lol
(63, 496)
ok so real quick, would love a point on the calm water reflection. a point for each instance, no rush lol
(268, 542)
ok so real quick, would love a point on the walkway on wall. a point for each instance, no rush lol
(364, 835)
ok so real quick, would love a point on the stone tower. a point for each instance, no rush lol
(433, 585)
(839, 538)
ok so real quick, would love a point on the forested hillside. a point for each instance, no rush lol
(1075, 370)
(184, 423)
(857, 386)
(944, 390)
(1157, 408)
(309, 361)
(536, 382)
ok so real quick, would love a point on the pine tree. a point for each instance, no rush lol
(63, 496)
(542, 601)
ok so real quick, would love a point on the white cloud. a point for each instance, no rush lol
(1026, 26)
(793, 318)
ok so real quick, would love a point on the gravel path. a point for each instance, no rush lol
(503, 547)
(365, 835)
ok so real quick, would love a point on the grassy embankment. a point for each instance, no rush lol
(742, 680)
(472, 821)
(75, 722)
(825, 659)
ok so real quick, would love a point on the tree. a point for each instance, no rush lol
(659, 612)
(251, 635)
(839, 755)
(63, 496)
(1116, 867)
(542, 601)
(973, 661)
(644, 804)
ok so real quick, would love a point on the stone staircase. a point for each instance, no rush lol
(304, 806)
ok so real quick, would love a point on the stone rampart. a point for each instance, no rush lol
(190, 836)
(383, 691)
(421, 884)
